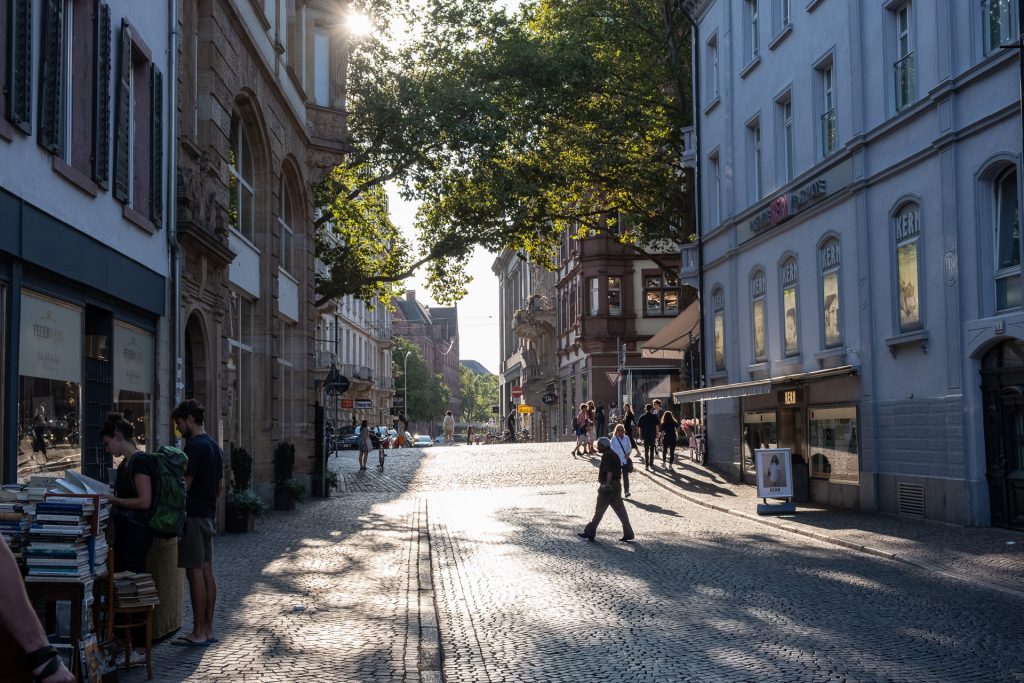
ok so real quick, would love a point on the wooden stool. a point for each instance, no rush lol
(136, 616)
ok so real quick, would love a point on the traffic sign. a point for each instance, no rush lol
(548, 398)
(525, 409)
(517, 391)
(613, 377)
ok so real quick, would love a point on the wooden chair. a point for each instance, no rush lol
(133, 617)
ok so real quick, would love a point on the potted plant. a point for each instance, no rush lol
(286, 488)
(332, 481)
(242, 505)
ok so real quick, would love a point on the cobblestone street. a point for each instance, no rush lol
(339, 589)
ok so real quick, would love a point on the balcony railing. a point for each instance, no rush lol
(828, 132)
(904, 80)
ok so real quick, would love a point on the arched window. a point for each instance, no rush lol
(789, 274)
(906, 229)
(829, 261)
(288, 221)
(1006, 222)
(757, 311)
(718, 309)
(241, 181)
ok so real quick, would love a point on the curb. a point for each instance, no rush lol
(835, 540)
(429, 654)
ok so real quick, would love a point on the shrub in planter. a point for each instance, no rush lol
(332, 481)
(242, 506)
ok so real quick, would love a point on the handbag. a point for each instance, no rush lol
(628, 467)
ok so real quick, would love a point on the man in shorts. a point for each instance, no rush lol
(204, 481)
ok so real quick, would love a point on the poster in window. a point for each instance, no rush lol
(759, 334)
(719, 341)
(910, 312)
(50, 339)
(774, 473)
(830, 306)
(789, 321)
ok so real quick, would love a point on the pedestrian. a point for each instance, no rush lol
(669, 425)
(25, 651)
(657, 413)
(622, 447)
(600, 419)
(39, 430)
(131, 505)
(403, 424)
(579, 428)
(609, 492)
(469, 435)
(510, 423)
(448, 424)
(204, 484)
(364, 443)
(629, 423)
(648, 425)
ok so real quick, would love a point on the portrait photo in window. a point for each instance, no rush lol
(830, 306)
(760, 350)
(790, 338)
(719, 341)
(906, 266)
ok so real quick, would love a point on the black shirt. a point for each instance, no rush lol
(124, 486)
(609, 463)
(206, 467)
(648, 424)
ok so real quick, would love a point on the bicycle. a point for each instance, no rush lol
(699, 452)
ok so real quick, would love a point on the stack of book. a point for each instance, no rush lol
(134, 590)
(14, 523)
(59, 540)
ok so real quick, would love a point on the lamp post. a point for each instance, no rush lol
(405, 376)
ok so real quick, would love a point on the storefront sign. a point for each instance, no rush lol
(774, 473)
(789, 397)
(133, 360)
(781, 208)
(364, 403)
(51, 340)
(346, 403)
(548, 398)
(524, 409)
(398, 401)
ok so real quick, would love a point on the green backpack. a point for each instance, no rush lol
(167, 518)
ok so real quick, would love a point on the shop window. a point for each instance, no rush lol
(790, 309)
(718, 310)
(661, 293)
(907, 238)
(241, 182)
(829, 256)
(760, 430)
(49, 387)
(614, 296)
(133, 366)
(1006, 220)
(757, 296)
(833, 443)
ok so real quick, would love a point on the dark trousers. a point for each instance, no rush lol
(625, 481)
(131, 546)
(650, 448)
(611, 499)
(670, 450)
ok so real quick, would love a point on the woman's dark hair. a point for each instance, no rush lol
(115, 423)
(667, 416)
(189, 407)
(365, 423)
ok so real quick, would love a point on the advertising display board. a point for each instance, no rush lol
(774, 473)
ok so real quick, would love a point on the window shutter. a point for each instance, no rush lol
(101, 98)
(19, 100)
(122, 158)
(156, 141)
(51, 75)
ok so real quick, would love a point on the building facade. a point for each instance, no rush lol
(861, 251)
(84, 248)
(260, 119)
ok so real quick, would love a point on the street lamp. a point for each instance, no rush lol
(405, 375)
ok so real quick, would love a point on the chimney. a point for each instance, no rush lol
(410, 295)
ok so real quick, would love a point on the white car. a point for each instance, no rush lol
(422, 441)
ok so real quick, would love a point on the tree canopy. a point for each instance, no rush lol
(425, 395)
(479, 393)
(510, 128)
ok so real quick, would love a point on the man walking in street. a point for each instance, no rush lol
(510, 422)
(448, 424)
(204, 482)
(609, 492)
(600, 419)
(648, 425)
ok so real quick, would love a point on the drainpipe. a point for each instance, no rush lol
(172, 205)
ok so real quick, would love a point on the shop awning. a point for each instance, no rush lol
(761, 386)
(674, 338)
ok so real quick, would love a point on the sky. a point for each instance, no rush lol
(478, 311)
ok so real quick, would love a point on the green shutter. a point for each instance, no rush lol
(156, 149)
(122, 158)
(19, 62)
(101, 98)
(51, 75)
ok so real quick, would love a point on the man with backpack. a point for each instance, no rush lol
(204, 481)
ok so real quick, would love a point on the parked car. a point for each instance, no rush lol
(348, 442)
(422, 441)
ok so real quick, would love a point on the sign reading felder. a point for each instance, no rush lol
(50, 339)
(781, 208)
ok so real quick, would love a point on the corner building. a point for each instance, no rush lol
(861, 251)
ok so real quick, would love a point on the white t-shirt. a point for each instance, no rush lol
(449, 423)
(621, 447)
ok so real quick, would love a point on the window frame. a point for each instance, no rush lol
(988, 49)
(753, 21)
(827, 114)
(593, 295)
(718, 354)
(787, 159)
(712, 65)
(617, 288)
(285, 219)
(715, 187)
(236, 174)
(904, 235)
(756, 174)
(903, 43)
(1014, 269)
(789, 281)
(664, 288)
(758, 295)
(826, 270)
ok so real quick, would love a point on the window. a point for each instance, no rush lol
(1007, 236)
(753, 45)
(790, 317)
(756, 177)
(286, 220)
(785, 109)
(661, 293)
(242, 202)
(133, 371)
(614, 296)
(834, 444)
(718, 309)
(321, 68)
(999, 21)
(594, 294)
(903, 68)
(830, 258)
(240, 369)
(757, 297)
(783, 17)
(906, 236)
(714, 190)
(712, 66)
(828, 109)
(190, 69)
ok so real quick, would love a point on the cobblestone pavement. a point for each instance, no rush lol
(335, 590)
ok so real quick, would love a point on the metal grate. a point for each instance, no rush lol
(910, 499)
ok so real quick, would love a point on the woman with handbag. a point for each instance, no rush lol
(629, 423)
(621, 444)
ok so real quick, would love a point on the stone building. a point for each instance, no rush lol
(260, 119)
(861, 249)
